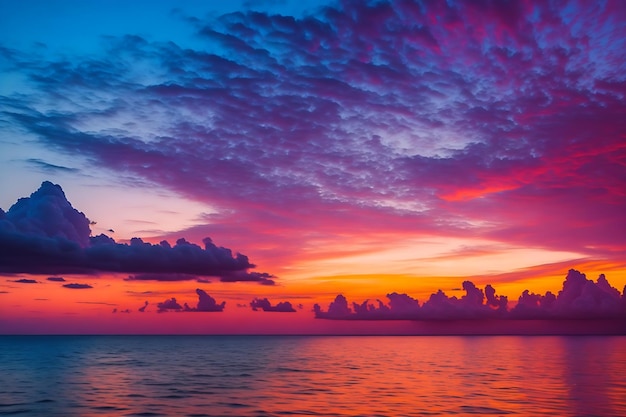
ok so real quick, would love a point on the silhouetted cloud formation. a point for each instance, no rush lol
(169, 304)
(76, 286)
(265, 305)
(580, 298)
(161, 277)
(43, 233)
(206, 303)
(56, 279)
(25, 281)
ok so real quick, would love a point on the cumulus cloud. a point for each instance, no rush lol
(76, 286)
(206, 303)
(169, 304)
(265, 305)
(580, 298)
(43, 233)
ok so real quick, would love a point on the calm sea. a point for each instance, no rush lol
(312, 375)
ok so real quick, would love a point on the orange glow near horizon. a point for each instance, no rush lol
(49, 307)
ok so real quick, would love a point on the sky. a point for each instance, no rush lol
(310, 166)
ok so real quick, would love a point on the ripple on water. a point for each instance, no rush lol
(316, 376)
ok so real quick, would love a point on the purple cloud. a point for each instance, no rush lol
(45, 234)
(169, 304)
(161, 277)
(76, 286)
(206, 303)
(56, 279)
(580, 298)
(265, 305)
(432, 116)
(26, 281)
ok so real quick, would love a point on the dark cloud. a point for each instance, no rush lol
(143, 308)
(48, 167)
(76, 286)
(169, 304)
(265, 305)
(26, 281)
(242, 276)
(45, 234)
(580, 298)
(206, 303)
(161, 277)
(56, 279)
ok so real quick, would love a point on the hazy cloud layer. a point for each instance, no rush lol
(503, 120)
(580, 298)
(44, 234)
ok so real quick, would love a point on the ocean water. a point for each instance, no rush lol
(312, 375)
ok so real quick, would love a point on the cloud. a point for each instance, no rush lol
(76, 286)
(56, 279)
(243, 276)
(26, 281)
(580, 298)
(45, 234)
(361, 118)
(206, 303)
(48, 167)
(169, 304)
(265, 305)
(143, 308)
(161, 277)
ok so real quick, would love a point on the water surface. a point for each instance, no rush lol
(312, 375)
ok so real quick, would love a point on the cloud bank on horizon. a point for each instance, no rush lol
(44, 234)
(498, 120)
(580, 298)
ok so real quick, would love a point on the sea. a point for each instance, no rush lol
(312, 375)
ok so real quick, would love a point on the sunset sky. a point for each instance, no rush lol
(361, 148)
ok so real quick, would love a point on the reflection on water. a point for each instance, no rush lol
(329, 376)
